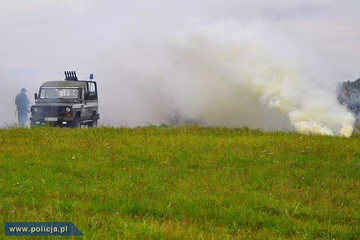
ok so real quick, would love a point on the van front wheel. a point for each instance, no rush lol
(76, 122)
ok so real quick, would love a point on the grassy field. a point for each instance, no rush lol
(184, 182)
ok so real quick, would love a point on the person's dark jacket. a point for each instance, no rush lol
(22, 103)
(354, 102)
(343, 99)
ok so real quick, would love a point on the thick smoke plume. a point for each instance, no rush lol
(229, 75)
(219, 63)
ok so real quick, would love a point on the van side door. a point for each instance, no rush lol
(92, 99)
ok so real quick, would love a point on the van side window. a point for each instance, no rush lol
(92, 90)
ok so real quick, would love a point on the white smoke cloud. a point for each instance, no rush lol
(227, 63)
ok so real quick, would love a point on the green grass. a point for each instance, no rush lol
(184, 182)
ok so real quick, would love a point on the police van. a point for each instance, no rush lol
(66, 103)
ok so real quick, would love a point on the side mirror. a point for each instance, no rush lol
(36, 96)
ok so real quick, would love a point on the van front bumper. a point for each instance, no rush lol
(59, 121)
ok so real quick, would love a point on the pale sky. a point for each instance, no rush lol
(36, 31)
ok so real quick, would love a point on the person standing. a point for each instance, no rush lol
(22, 106)
(344, 98)
(354, 101)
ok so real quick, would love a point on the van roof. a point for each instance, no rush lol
(78, 84)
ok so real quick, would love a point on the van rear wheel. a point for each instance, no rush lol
(94, 122)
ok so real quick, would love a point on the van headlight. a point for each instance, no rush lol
(68, 109)
(35, 109)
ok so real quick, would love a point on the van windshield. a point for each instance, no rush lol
(69, 93)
